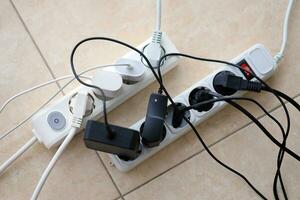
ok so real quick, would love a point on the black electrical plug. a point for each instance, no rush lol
(178, 114)
(220, 80)
(199, 95)
(125, 142)
(227, 83)
(153, 130)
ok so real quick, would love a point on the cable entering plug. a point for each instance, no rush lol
(226, 83)
(219, 82)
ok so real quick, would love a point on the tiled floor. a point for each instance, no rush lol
(35, 44)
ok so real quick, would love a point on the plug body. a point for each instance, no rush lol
(178, 115)
(109, 82)
(219, 83)
(124, 143)
(153, 129)
(199, 95)
(154, 50)
(227, 83)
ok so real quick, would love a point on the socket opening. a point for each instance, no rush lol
(163, 53)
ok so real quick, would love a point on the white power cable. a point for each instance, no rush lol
(78, 113)
(153, 51)
(35, 88)
(278, 57)
(14, 157)
(51, 98)
(53, 161)
(158, 15)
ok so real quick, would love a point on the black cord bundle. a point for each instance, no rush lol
(277, 94)
(162, 88)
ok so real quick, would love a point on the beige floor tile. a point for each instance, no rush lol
(79, 174)
(248, 151)
(200, 29)
(21, 68)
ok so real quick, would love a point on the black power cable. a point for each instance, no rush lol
(284, 96)
(293, 154)
(159, 80)
(267, 87)
(281, 153)
(247, 99)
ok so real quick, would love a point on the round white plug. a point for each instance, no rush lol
(109, 82)
(132, 73)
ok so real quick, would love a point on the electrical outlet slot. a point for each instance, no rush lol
(181, 123)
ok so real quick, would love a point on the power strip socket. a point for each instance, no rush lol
(52, 124)
(257, 57)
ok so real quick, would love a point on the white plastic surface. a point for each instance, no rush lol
(110, 82)
(132, 73)
(260, 61)
(50, 137)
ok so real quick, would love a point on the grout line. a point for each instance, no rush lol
(209, 146)
(188, 158)
(35, 44)
(110, 176)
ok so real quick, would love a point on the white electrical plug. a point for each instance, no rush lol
(134, 72)
(153, 51)
(109, 82)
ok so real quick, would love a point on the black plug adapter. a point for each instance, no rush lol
(227, 83)
(153, 130)
(219, 83)
(125, 142)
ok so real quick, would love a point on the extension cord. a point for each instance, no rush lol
(52, 124)
(260, 61)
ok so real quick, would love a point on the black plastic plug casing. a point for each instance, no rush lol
(153, 129)
(199, 95)
(219, 83)
(178, 115)
(124, 143)
(226, 82)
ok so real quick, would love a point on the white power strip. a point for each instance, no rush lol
(257, 57)
(52, 124)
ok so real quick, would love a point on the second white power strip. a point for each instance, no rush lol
(52, 124)
(257, 58)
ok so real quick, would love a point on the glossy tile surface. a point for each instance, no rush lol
(248, 151)
(21, 67)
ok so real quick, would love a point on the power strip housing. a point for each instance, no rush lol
(257, 57)
(51, 134)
